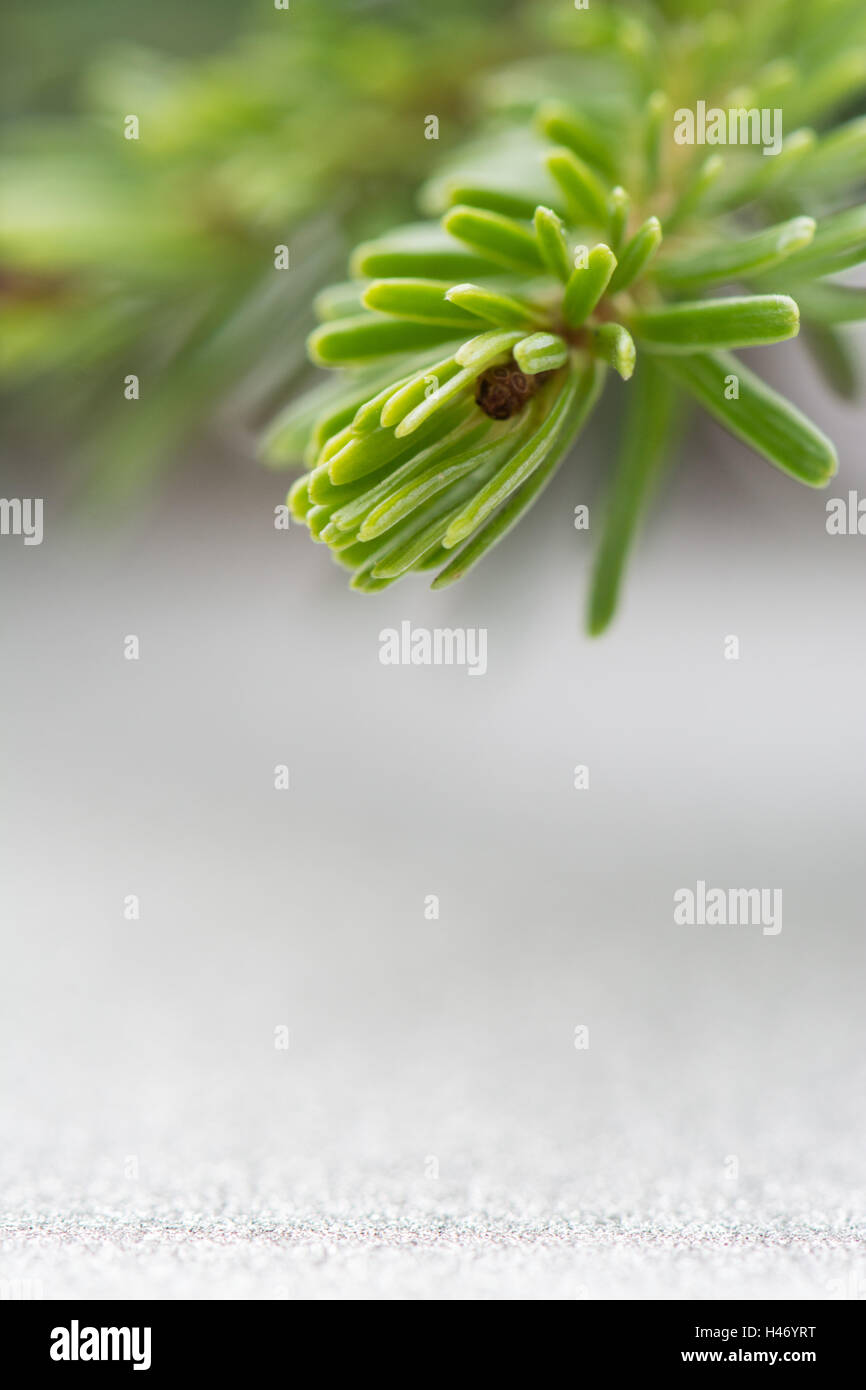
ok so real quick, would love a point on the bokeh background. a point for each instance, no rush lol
(431, 1129)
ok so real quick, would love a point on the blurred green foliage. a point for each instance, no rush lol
(155, 256)
(261, 127)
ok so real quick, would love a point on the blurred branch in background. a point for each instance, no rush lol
(155, 256)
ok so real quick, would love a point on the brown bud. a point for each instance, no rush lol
(503, 391)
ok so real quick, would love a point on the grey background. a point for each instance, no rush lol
(562, 1172)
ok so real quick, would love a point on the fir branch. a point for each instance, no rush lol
(498, 322)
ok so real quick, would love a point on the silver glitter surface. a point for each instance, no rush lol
(434, 1124)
